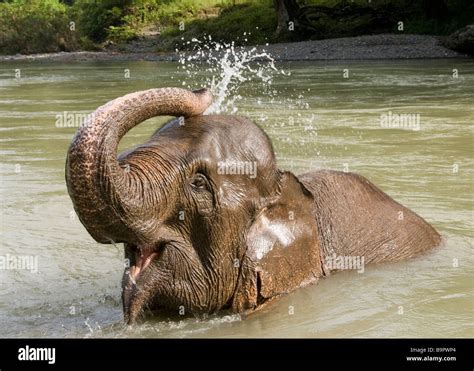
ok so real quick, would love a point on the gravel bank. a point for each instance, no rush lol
(385, 46)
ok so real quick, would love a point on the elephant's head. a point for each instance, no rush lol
(203, 211)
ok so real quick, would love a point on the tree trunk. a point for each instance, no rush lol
(287, 11)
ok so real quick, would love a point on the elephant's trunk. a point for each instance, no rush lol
(107, 197)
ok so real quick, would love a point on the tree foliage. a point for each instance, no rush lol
(30, 26)
(35, 26)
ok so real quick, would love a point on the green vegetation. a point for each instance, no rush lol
(96, 18)
(31, 26)
(35, 26)
(245, 23)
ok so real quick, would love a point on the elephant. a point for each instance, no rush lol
(208, 221)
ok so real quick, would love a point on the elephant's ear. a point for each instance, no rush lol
(283, 251)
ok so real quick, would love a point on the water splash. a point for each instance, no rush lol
(242, 79)
(93, 328)
(228, 69)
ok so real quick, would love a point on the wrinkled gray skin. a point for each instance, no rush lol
(202, 240)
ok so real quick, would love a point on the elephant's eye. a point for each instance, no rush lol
(200, 182)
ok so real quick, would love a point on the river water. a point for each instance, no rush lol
(317, 118)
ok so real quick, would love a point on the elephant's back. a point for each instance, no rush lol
(355, 218)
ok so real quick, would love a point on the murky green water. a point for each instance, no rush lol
(318, 120)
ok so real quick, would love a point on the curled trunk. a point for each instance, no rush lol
(107, 197)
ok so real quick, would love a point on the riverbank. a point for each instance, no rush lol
(385, 46)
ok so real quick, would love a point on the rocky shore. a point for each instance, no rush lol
(384, 46)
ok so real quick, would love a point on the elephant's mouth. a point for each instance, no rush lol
(142, 256)
(133, 295)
